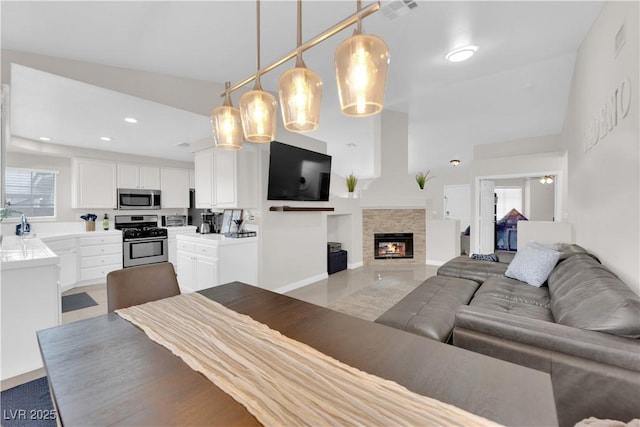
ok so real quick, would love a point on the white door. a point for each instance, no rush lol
(205, 273)
(486, 217)
(457, 204)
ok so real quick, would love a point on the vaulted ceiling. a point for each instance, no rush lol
(516, 86)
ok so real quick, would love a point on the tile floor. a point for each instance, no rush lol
(323, 292)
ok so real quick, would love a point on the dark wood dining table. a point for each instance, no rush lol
(106, 371)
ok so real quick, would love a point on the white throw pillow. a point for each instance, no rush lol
(533, 264)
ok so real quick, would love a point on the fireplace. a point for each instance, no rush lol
(392, 245)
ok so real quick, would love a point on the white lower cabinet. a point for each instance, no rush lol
(99, 255)
(197, 266)
(211, 260)
(67, 249)
(172, 233)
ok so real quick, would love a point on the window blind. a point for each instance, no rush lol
(32, 192)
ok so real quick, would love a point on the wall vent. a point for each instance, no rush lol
(395, 8)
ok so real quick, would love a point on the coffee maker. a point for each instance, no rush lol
(211, 222)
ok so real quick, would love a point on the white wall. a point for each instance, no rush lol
(604, 180)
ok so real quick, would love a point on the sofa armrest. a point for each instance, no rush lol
(597, 346)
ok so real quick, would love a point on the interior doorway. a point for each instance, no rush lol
(534, 198)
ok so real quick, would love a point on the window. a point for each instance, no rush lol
(32, 192)
(508, 198)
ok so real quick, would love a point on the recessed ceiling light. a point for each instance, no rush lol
(130, 120)
(105, 138)
(461, 54)
(44, 138)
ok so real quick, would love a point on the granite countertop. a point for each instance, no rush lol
(19, 252)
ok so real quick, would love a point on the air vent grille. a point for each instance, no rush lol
(395, 8)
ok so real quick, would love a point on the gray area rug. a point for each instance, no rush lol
(370, 302)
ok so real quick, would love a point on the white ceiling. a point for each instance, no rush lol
(516, 86)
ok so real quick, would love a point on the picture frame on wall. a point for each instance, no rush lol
(226, 221)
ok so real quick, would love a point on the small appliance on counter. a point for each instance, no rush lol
(174, 220)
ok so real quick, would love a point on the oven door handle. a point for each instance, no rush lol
(146, 239)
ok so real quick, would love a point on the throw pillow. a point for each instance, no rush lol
(485, 257)
(533, 264)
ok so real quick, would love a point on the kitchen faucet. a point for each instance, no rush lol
(23, 225)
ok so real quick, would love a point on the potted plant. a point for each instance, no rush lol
(352, 181)
(422, 178)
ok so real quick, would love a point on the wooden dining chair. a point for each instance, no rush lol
(137, 285)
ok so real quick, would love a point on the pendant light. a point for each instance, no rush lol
(257, 107)
(361, 64)
(226, 124)
(300, 91)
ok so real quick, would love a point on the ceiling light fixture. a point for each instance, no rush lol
(44, 138)
(105, 138)
(361, 63)
(226, 124)
(461, 54)
(299, 98)
(547, 179)
(454, 162)
(130, 120)
(257, 107)
(300, 92)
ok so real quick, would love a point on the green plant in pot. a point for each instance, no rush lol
(422, 178)
(352, 181)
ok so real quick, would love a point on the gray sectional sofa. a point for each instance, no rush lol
(582, 327)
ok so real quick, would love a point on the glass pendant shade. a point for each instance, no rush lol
(226, 125)
(258, 113)
(300, 91)
(361, 64)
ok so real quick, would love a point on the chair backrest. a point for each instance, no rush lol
(137, 285)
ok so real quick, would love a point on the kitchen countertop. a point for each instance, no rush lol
(18, 252)
(216, 239)
(64, 235)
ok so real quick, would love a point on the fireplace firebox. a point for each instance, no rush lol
(393, 245)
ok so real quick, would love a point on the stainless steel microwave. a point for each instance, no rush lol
(133, 199)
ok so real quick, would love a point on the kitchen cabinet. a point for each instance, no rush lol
(67, 249)
(197, 266)
(206, 260)
(93, 184)
(99, 255)
(192, 178)
(172, 233)
(226, 179)
(138, 176)
(29, 302)
(175, 188)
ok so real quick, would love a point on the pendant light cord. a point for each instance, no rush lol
(258, 36)
(299, 23)
(359, 24)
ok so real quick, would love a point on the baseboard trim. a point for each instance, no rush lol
(435, 262)
(355, 265)
(300, 283)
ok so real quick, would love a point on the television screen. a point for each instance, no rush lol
(298, 174)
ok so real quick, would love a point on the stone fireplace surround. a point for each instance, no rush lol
(394, 221)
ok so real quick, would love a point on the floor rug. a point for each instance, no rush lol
(370, 302)
(77, 301)
(28, 404)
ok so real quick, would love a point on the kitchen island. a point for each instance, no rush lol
(29, 299)
(207, 260)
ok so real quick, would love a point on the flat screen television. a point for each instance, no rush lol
(298, 174)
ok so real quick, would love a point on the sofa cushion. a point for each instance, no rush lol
(506, 295)
(430, 309)
(471, 269)
(533, 263)
(587, 295)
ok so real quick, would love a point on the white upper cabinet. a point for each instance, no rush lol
(138, 176)
(226, 179)
(192, 178)
(175, 188)
(93, 184)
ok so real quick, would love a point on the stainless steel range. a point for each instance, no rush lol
(143, 242)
